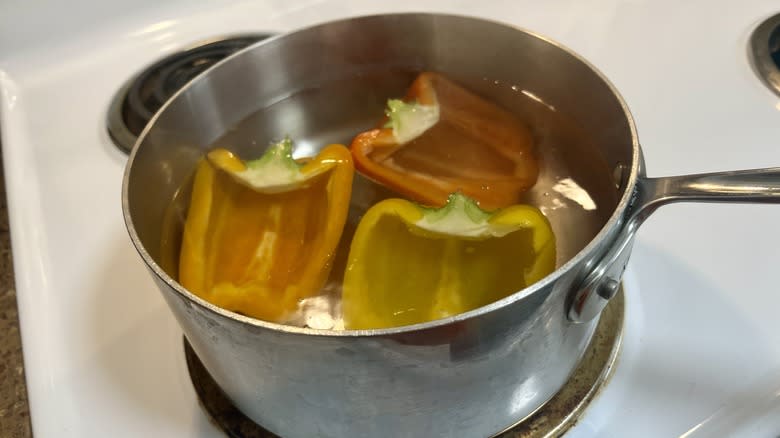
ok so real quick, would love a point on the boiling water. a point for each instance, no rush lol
(575, 189)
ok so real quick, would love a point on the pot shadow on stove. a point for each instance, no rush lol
(140, 354)
(693, 346)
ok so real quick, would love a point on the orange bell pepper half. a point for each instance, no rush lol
(261, 235)
(444, 139)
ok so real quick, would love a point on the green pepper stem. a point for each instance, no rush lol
(409, 120)
(461, 216)
(277, 155)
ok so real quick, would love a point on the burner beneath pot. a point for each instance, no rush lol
(140, 97)
(765, 52)
(552, 419)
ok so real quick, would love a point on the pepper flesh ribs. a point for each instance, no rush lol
(409, 264)
(444, 139)
(261, 235)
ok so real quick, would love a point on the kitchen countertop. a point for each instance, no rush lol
(14, 410)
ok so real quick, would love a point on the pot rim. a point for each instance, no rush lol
(615, 220)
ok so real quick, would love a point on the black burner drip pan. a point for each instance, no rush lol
(139, 99)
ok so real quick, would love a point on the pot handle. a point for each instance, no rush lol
(603, 281)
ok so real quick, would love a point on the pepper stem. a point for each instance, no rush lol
(276, 156)
(458, 204)
(409, 120)
(461, 216)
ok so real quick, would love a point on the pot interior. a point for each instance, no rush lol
(328, 83)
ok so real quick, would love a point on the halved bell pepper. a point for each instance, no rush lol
(261, 235)
(410, 264)
(441, 139)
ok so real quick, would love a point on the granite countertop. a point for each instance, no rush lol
(14, 411)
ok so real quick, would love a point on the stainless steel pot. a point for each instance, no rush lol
(473, 374)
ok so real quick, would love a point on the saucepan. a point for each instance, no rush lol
(472, 374)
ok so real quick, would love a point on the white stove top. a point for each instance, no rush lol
(104, 356)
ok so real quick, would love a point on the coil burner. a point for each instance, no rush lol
(139, 98)
(764, 51)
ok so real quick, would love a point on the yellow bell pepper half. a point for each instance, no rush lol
(261, 235)
(410, 264)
